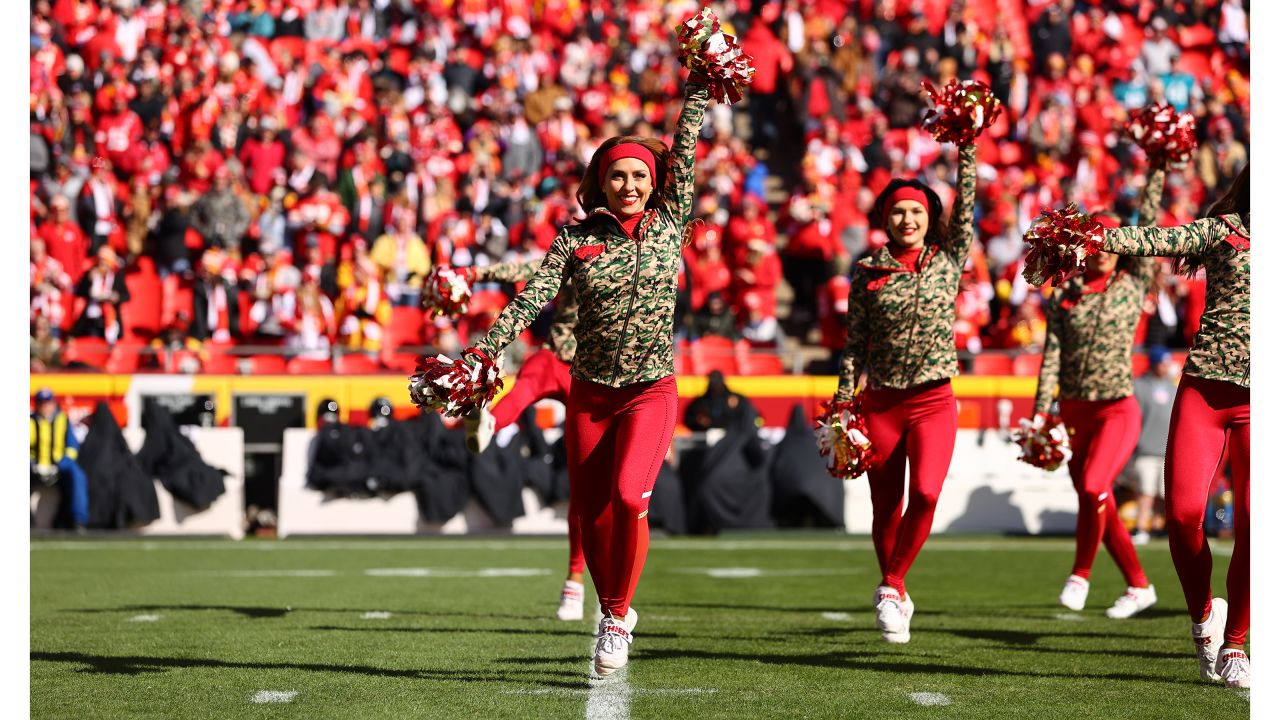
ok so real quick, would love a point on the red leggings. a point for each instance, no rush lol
(1210, 420)
(616, 440)
(916, 424)
(1104, 434)
(543, 376)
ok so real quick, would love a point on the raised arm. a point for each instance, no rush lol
(1144, 268)
(960, 231)
(679, 187)
(854, 358)
(538, 291)
(511, 272)
(1051, 362)
(1192, 239)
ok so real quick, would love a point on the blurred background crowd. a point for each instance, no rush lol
(221, 182)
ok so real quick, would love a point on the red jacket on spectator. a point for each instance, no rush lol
(66, 243)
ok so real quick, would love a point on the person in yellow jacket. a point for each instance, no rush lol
(53, 455)
(363, 310)
(402, 257)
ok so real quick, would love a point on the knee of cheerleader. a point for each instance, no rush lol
(920, 497)
(636, 508)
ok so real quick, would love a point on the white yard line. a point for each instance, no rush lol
(575, 692)
(376, 615)
(735, 573)
(837, 616)
(1070, 617)
(609, 698)
(929, 699)
(144, 618)
(274, 696)
(269, 573)
(1244, 693)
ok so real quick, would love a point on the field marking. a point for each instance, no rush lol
(576, 692)
(269, 573)
(738, 573)
(376, 615)
(837, 616)
(609, 698)
(144, 618)
(1072, 617)
(274, 696)
(936, 544)
(455, 573)
(1244, 693)
(929, 699)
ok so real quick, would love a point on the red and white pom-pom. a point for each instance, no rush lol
(717, 57)
(455, 387)
(841, 431)
(1044, 441)
(961, 110)
(1060, 241)
(1167, 136)
(446, 293)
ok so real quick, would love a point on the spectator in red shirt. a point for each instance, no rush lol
(64, 240)
(772, 60)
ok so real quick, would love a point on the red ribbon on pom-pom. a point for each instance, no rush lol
(455, 387)
(841, 431)
(1167, 136)
(1060, 241)
(1044, 441)
(961, 110)
(447, 291)
(714, 58)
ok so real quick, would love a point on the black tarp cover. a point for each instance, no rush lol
(727, 484)
(121, 494)
(804, 493)
(172, 458)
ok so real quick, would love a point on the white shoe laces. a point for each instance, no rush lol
(1236, 668)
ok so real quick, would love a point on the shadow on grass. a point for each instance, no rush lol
(258, 612)
(877, 662)
(140, 664)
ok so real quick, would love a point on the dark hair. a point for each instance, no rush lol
(936, 231)
(591, 194)
(1235, 200)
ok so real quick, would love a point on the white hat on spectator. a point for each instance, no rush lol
(75, 63)
(229, 62)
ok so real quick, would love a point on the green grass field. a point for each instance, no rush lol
(738, 627)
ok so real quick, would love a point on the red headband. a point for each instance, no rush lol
(626, 150)
(906, 192)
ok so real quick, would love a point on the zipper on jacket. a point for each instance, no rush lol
(915, 322)
(626, 322)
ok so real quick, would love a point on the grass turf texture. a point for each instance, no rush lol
(987, 633)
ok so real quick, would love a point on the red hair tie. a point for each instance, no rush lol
(626, 150)
(906, 192)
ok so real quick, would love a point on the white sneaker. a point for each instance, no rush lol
(1233, 668)
(479, 425)
(1208, 639)
(893, 614)
(1074, 593)
(613, 643)
(571, 596)
(1141, 538)
(1134, 601)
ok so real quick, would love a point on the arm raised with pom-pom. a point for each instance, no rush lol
(959, 235)
(1051, 361)
(1144, 268)
(1192, 239)
(679, 189)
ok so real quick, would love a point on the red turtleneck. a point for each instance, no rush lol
(629, 223)
(909, 258)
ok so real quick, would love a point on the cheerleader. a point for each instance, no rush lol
(544, 375)
(623, 260)
(901, 314)
(1087, 360)
(1210, 420)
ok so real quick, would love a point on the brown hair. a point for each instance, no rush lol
(591, 194)
(1235, 200)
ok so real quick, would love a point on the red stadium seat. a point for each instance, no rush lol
(405, 327)
(141, 315)
(358, 364)
(267, 365)
(400, 362)
(220, 364)
(1027, 365)
(1140, 364)
(307, 366)
(992, 364)
(90, 351)
(705, 364)
(760, 364)
(125, 358)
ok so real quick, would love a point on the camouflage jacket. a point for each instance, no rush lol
(626, 287)
(901, 324)
(1221, 347)
(560, 339)
(1089, 339)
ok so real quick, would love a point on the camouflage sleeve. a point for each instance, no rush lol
(679, 184)
(1144, 268)
(854, 358)
(524, 308)
(511, 272)
(1052, 359)
(1192, 239)
(567, 307)
(960, 231)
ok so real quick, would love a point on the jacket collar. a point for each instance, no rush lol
(605, 215)
(882, 259)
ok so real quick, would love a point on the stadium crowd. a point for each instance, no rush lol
(207, 173)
